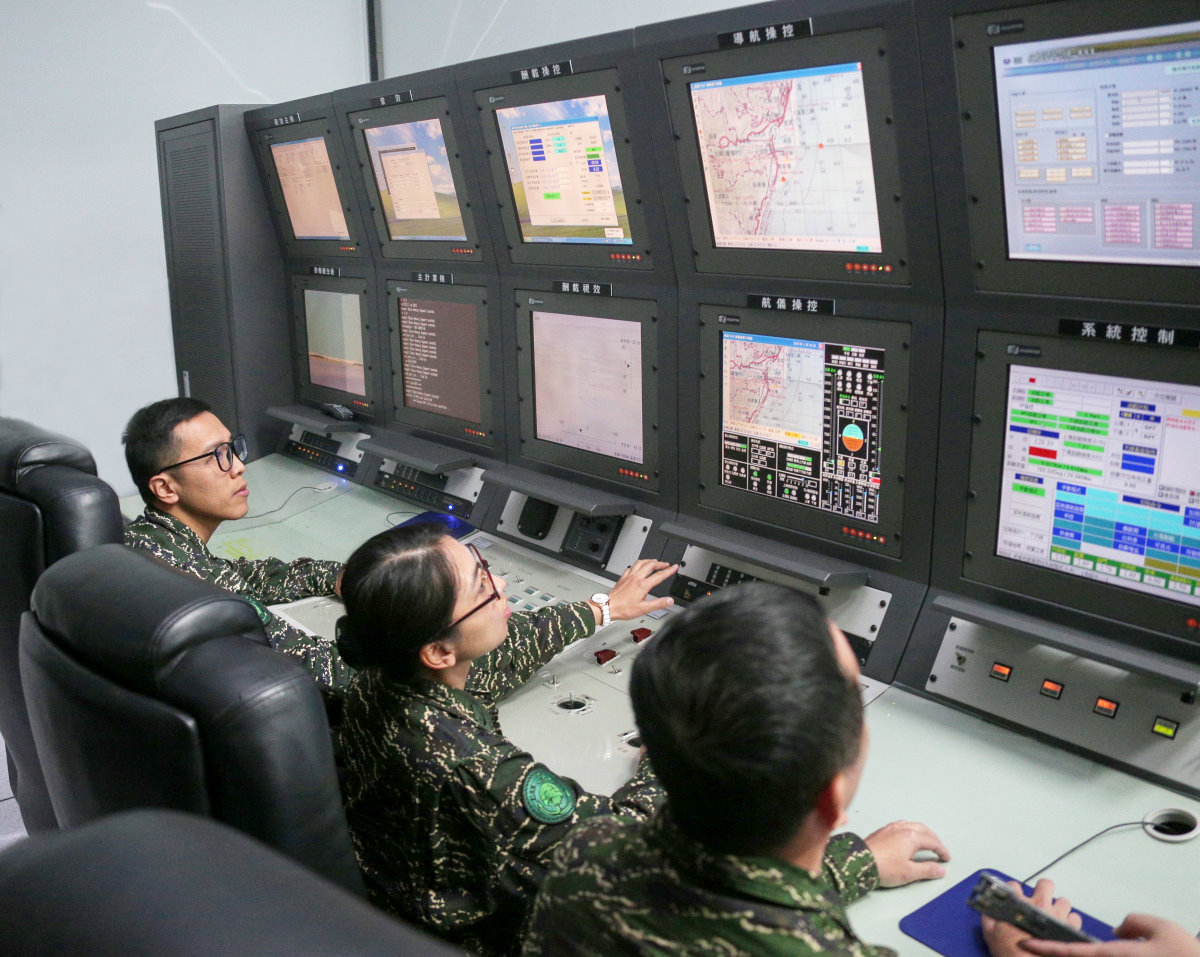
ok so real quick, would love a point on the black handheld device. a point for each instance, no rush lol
(995, 898)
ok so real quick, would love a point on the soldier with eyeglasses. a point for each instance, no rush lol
(190, 472)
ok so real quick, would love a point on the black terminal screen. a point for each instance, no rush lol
(1086, 473)
(811, 433)
(440, 359)
(588, 365)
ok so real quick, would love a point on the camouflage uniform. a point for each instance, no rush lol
(263, 582)
(449, 818)
(618, 888)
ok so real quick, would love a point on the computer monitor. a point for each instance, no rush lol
(307, 179)
(1079, 137)
(803, 426)
(562, 165)
(441, 365)
(333, 338)
(1085, 476)
(788, 156)
(420, 201)
(589, 386)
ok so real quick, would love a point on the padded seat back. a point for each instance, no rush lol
(150, 688)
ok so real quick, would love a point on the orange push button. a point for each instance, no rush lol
(1106, 707)
(1000, 671)
(1052, 689)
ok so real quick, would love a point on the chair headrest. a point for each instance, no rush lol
(24, 445)
(130, 617)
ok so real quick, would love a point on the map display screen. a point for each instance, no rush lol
(801, 421)
(1100, 146)
(786, 160)
(310, 192)
(563, 170)
(1100, 480)
(333, 323)
(415, 182)
(587, 378)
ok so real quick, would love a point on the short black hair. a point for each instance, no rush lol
(150, 440)
(746, 715)
(399, 589)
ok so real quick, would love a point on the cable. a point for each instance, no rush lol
(1114, 827)
(388, 518)
(302, 488)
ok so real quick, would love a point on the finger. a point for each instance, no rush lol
(1139, 925)
(928, 841)
(661, 575)
(1043, 894)
(925, 871)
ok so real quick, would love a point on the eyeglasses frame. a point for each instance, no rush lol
(233, 443)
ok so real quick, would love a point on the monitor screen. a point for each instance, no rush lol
(310, 193)
(440, 359)
(589, 365)
(332, 323)
(409, 156)
(811, 430)
(786, 158)
(1085, 473)
(1078, 149)
(1097, 146)
(785, 151)
(563, 171)
(563, 168)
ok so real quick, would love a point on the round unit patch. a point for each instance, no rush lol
(548, 798)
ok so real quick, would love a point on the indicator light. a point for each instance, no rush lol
(1001, 672)
(1165, 727)
(1051, 689)
(1106, 707)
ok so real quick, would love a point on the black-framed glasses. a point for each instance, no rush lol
(494, 596)
(223, 453)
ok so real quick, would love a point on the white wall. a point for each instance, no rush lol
(85, 335)
(420, 36)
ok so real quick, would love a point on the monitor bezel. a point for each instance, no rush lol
(364, 407)
(894, 337)
(868, 46)
(580, 461)
(422, 420)
(469, 249)
(606, 82)
(310, 248)
(996, 352)
(975, 36)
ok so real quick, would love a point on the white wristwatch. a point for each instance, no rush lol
(601, 599)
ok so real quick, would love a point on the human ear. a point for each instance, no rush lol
(163, 489)
(437, 656)
(834, 800)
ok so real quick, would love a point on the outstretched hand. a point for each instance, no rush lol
(629, 597)
(896, 845)
(1139, 935)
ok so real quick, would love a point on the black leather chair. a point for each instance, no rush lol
(147, 687)
(164, 884)
(51, 504)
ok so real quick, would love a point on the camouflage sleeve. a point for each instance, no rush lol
(525, 810)
(273, 580)
(316, 654)
(534, 637)
(849, 866)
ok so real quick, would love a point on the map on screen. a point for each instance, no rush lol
(787, 160)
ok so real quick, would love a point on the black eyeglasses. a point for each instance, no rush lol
(223, 453)
(494, 596)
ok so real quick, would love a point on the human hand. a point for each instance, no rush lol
(1160, 938)
(1005, 940)
(628, 598)
(896, 844)
(337, 585)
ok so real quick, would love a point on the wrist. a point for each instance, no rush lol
(600, 603)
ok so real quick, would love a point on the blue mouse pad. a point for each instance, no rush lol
(950, 926)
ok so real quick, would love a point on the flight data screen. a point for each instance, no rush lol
(1100, 141)
(787, 160)
(1101, 479)
(309, 189)
(587, 382)
(333, 323)
(439, 343)
(801, 421)
(415, 182)
(563, 170)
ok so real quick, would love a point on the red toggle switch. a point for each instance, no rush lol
(604, 655)
(640, 634)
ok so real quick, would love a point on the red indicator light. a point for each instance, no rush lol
(1052, 689)
(1106, 707)
(1001, 672)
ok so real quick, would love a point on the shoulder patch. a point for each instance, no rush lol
(259, 608)
(548, 798)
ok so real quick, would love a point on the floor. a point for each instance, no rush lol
(11, 828)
